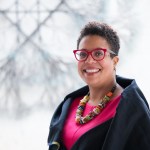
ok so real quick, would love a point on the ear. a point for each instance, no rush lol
(115, 60)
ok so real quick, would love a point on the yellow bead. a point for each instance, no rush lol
(77, 119)
(96, 110)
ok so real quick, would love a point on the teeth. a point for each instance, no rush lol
(91, 70)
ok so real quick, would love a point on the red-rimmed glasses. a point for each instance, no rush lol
(97, 54)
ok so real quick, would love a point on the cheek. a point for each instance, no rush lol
(110, 66)
(80, 67)
(107, 65)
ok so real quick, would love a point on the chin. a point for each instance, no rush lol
(92, 84)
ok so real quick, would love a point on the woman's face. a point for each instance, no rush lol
(96, 73)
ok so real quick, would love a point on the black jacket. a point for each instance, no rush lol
(128, 130)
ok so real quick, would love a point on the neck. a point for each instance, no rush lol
(97, 93)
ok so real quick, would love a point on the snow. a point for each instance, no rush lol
(27, 133)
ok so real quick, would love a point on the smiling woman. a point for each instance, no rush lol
(110, 111)
(96, 71)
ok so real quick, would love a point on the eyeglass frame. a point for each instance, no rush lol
(90, 53)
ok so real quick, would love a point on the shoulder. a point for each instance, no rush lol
(131, 90)
(133, 102)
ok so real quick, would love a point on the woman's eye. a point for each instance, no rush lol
(82, 55)
(98, 53)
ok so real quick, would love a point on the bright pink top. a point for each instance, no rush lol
(72, 131)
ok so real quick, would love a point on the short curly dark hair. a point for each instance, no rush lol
(103, 30)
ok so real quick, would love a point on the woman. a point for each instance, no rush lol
(110, 113)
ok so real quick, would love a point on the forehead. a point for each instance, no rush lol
(92, 42)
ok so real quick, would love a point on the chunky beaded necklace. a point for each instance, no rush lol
(97, 109)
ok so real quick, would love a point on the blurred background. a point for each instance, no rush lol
(37, 66)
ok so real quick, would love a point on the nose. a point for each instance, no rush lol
(90, 59)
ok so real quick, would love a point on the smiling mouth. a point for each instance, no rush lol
(91, 70)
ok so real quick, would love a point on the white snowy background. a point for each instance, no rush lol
(30, 130)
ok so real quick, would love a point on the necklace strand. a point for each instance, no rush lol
(79, 119)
